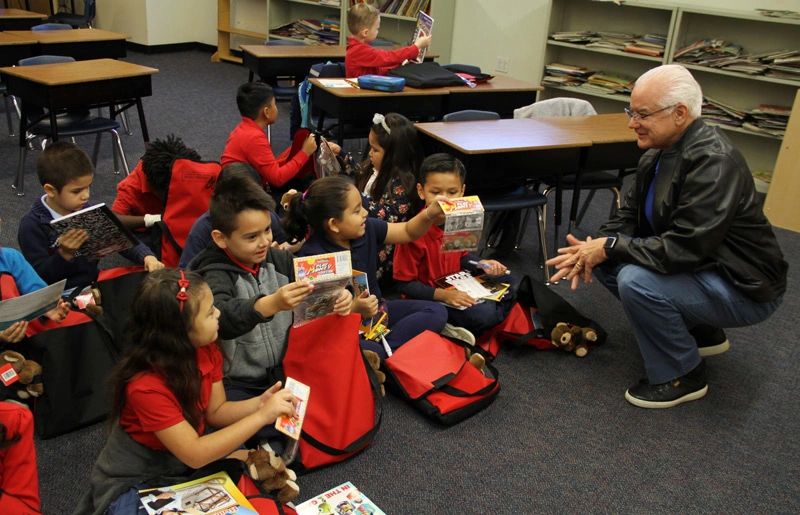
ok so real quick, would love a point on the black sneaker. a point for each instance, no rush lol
(690, 387)
(710, 340)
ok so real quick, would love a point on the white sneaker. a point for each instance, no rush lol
(459, 333)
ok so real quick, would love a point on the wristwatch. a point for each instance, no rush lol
(611, 242)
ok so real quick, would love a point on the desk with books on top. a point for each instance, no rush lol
(80, 44)
(20, 19)
(13, 48)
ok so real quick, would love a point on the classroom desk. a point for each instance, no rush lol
(81, 84)
(81, 44)
(14, 48)
(502, 95)
(11, 19)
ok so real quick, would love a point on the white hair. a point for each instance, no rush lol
(679, 87)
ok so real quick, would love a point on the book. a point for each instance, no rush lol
(329, 274)
(210, 495)
(424, 28)
(31, 305)
(361, 286)
(345, 498)
(463, 223)
(107, 235)
(480, 287)
(291, 426)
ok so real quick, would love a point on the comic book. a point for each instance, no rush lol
(329, 274)
(211, 495)
(481, 287)
(463, 223)
(424, 28)
(345, 498)
(30, 306)
(107, 235)
(291, 426)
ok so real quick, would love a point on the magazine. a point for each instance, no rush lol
(345, 498)
(291, 426)
(463, 223)
(480, 288)
(424, 28)
(107, 235)
(211, 495)
(329, 274)
(30, 306)
(360, 286)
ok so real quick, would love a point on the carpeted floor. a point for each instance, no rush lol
(560, 437)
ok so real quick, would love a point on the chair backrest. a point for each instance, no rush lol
(51, 26)
(89, 9)
(562, 106)
(45, 59)
(470, 115)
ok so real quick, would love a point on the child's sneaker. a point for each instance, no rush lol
(375, 364)
(459, 333)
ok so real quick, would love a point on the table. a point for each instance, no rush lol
(80, 44)
(502, 95)
(14, 48)
(117, 85)
(19, 19)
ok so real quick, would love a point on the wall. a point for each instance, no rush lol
(160, 22)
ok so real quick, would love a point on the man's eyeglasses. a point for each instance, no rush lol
(634, 115)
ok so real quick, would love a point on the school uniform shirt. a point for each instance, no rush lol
(363, 250)
(135, 197)
(364, 59)
(151, 406)
(393, 206)
(248, 143)
(25, 277)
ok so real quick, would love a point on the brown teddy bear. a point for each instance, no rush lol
(28, 371)
(573, 338)
(267, 467)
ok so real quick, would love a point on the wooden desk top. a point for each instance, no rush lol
(19, 13)
(311, 51)
(601, 128)
(67, 36)
(502, 136)
(78, 71)
(10, 39)
(354, 92)
(500, 83)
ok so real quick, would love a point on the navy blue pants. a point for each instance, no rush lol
(482, 317)
(407, 319)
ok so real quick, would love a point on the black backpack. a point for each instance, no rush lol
(426, 75)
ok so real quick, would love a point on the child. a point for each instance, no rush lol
(19, 479)
(418, 264)
(168, 390)
(394, 158)
(254, 288)
(332, 209)
(66, 174)
(248, 142)
(364, 22)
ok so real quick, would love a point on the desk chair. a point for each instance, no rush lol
(78, 20)
(51, 26)
(70, 123)
(522, 198)
(284, 92)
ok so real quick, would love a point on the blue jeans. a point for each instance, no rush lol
(662, 308)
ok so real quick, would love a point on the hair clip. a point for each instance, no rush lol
(182, 296)
(378, 118)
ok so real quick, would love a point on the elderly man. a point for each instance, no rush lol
(691, 250)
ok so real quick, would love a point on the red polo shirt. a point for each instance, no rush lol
(423, 260)
(150, 406)
(134, 196)
(363, 59)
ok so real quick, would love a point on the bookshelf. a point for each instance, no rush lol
(244, 22)
(682, 25)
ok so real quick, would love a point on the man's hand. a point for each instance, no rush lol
(151, 264)
(577, 261)
(70, 242)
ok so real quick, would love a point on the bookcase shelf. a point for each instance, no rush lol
(564, 44)
(761, 78)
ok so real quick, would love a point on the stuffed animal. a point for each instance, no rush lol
(573, 338)
(267, 467)
(29, 373)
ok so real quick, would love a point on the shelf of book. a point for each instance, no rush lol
(319, 4)
(759, 78)
(577, 89)
(740, 130)
(564, 44)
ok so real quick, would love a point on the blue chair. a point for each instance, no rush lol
(51, 26)
(71, 123)
(522, 198)
(78, 20)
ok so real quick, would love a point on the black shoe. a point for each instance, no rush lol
(690, 387)
(710, 340)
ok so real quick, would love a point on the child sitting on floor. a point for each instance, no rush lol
(19, 479)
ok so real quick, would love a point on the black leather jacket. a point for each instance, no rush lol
(705, 216)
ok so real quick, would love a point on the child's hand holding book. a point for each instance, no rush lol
(365, 305)
(344, 303)
(453, 297)
(275, 402)
(285, 298)
(70, 242)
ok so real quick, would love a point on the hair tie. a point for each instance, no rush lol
(378, 118)
(182, 296)
(303, 196)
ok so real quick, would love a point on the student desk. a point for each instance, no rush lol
(502, 95)
(14, 48)
(80, 84)
(19, 19)
(80, 44)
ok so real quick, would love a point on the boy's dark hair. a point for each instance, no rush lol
(326, 198)
(402, 156)
(239, 169)
(62, 162)
(233, 194)
(442, 163)
(252, 97)
(361, 16)
(158, 157)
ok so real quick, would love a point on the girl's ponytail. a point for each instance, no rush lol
(326, 198)
(294, 221)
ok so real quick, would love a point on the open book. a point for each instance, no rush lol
(211, 495)
(30, 306)
(424, 28)
(344, 498)
(329, 274)
(479, 288)
(107, 235)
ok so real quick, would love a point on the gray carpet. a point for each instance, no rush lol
(560, 437)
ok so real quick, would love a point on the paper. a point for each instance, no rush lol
(291, 426)
(335, 83)
(345, 498)
(31, 306)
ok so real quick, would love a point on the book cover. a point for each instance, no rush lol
(360, 287)
(291, 426)
(329, 274)
(107, 235)
(463, 223)
(30, 306)
(211, 495)
(345, 498)
(480, 288)
(424, 28)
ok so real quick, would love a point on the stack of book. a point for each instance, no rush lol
(579, 37)
(558, 74)
(612, 41)
(608, 84)
(408, 8)
(332, 3)
(309, 31)
(723, 114)
(649, 44)
(716, 53)
(769, 119)
(783, 64)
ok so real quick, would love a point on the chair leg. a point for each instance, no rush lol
(617, 198)
(542, 215)
(96, 149)
(123, 117)
(8, 116)
(585, 207)
(522, 226)
(19, 184)
(118, 144)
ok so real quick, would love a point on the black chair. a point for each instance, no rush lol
(519, 199)
(71, 123)
(284, 92)
(77, 20)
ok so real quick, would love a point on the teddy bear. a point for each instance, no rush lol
(270, 469)
(573, 338)
(28, 371)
